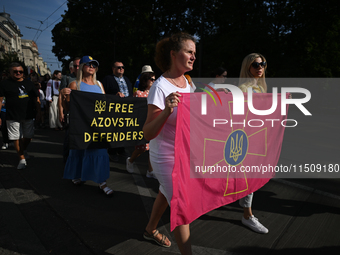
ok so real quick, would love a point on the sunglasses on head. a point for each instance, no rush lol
(120, 67)
(93, 64)
(16, 71)
(257, 64)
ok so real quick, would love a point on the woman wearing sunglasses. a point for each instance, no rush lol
(145, 82)
(252, 75)
(89, 164)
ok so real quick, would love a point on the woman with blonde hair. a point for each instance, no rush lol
(252, 75)
(89, 164)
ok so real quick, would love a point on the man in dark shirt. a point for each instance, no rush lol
(120, 85)
(117, 83)
(21, 100)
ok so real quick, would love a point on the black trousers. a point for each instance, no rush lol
(4, 131)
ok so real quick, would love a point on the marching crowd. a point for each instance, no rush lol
(27, 102)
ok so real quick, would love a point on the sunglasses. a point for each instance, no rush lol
(75, 66)
(120, 67)
(93, 64)
(257, 64)
(16, 71)
(152, 79)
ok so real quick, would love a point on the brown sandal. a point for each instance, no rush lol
(152, 237)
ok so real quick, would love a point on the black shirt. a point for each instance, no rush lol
(21, 97)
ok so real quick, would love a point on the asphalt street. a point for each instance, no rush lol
(41, 213)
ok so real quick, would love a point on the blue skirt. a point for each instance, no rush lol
(91, 164)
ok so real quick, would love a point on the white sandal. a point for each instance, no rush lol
(106, 189)
(77, 181)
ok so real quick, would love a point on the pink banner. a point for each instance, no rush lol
(221, 157)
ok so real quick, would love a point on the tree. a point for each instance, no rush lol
(315, 40)
(298, 38)
(125, 30)
(8, 58)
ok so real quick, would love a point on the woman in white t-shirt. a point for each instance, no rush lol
(175, 55)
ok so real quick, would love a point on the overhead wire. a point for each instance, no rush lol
(25, 16)
(36, 37)
(48, 27)
(56, 10)
(37, 32)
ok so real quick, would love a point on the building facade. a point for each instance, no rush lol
(10, 35)
(26, 50)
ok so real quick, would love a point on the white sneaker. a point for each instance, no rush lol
(4, 146)
(150, 174)
(254, 224)
(22, 164)
(129, 166)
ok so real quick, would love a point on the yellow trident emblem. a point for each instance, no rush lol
(236, 148)
(100, 106)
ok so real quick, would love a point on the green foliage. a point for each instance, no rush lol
(298, 38)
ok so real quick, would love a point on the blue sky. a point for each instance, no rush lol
(29, 13)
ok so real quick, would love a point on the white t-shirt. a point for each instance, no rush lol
(42, 98)
(52, 85)
(211, 84)
(162, 146)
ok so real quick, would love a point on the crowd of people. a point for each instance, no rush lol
(33, 98)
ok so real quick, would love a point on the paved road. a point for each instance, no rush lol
(40, 213)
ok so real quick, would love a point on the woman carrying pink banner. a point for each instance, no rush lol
(175, 56)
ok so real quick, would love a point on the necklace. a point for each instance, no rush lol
(173, 81)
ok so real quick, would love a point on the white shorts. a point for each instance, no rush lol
(20, 129)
